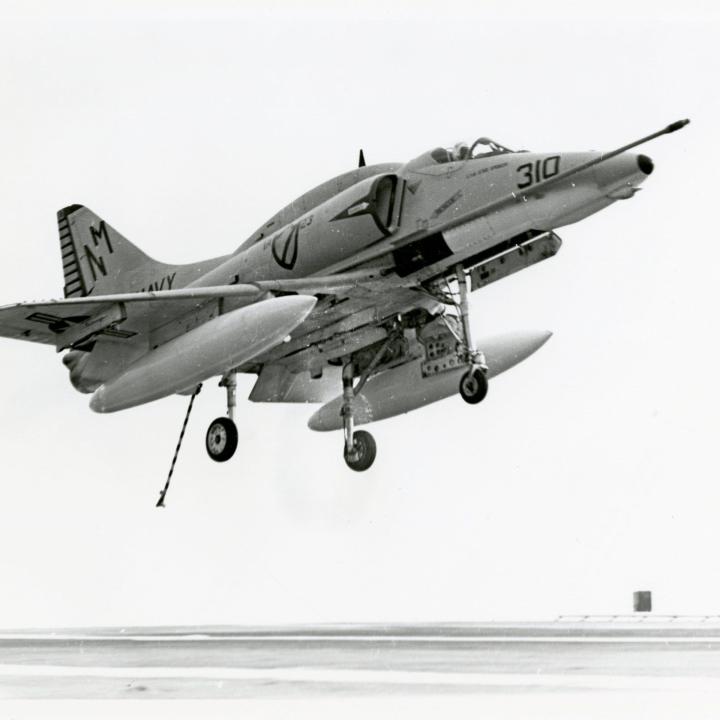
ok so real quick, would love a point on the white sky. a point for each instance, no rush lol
(590, 471)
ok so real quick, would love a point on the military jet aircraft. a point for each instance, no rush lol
(354, 295)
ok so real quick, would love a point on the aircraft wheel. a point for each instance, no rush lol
(222, 439)
(364, 451)
(473, 386)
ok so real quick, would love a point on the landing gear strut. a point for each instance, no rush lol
(221, 439)
(360, 448)
(474, 383)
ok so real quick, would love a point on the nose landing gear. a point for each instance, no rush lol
(473, 386)
(221, 439)
(474, 383)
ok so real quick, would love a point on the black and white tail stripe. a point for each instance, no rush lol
(74, 283)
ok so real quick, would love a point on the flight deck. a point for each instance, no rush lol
(579, 654)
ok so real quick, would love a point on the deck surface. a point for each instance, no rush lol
(588, 664)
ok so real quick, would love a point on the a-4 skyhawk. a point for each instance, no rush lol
(355, 295)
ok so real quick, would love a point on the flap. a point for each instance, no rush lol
(277, 384)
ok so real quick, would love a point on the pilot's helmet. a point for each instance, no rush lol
(461, 151)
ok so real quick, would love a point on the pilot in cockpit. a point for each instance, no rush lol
(461, 151)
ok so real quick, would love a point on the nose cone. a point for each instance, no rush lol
(645, 164)
(627, 168)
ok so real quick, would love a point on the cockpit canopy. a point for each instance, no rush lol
(459, 152)
(464, 151)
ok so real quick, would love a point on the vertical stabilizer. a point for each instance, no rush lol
(98, 260)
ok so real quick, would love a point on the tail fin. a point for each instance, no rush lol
(99, 260)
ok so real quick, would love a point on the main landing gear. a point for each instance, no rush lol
(360, 448)
(221, 439)
(474, 383)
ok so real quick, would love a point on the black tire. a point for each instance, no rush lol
(365, 451)
(221, 439)
(473, 386)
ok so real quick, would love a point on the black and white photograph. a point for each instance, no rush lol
(359, 360)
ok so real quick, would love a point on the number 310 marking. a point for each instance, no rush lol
(539, 170)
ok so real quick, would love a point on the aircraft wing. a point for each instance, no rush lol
(66, 321)
(44, 322)
(376, 292)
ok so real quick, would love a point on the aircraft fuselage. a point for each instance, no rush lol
(421, 201)
(408, 220)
